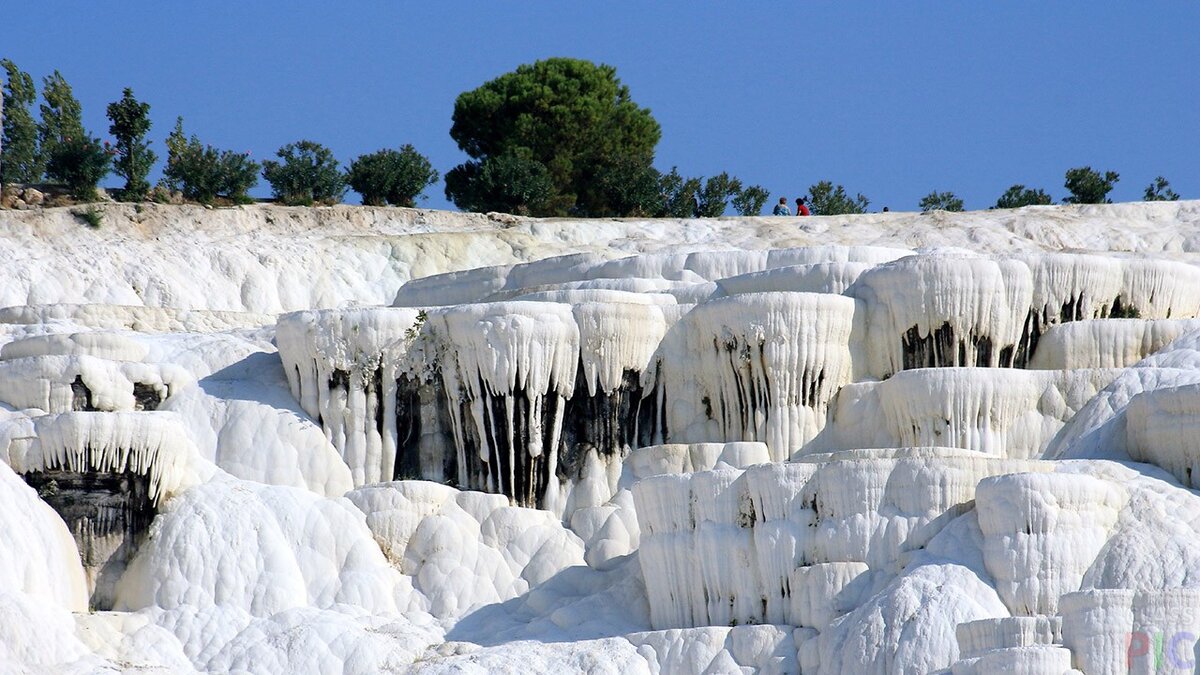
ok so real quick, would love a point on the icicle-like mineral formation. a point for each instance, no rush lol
(508, 370)
(105, 474)
(729, 545)
(753, 367)
(343, 366)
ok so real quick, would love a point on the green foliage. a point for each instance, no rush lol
(394, 177)
(571, 116)
(941, 201)
(512, 182)
(680, 195)
(62, 116)
(750, 201)
(411, 333)
(713, 199)
(308, 175)
(130, 122)
(92, 217)
(1088, 186)
(80, 162)
(1018, 195)
(629, 187)
(203, 173)
(19, 160)
(826, 199)
(1160, 191)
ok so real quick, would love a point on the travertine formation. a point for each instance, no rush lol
(739, 454)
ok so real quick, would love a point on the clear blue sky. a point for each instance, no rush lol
(891, 99)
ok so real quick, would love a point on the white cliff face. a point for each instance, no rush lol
(342, 366)
(998, 411)
(952, 310)
(396, 440)
(753, 367)
(750, 537)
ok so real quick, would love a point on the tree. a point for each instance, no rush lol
(680, 195)
(512, 182)
(750, 201)
(80, 162)
(130, 122)
(62, 116)
(826, 199)
(573, 117)
(715, 196)
(1088, 186)
(1018, 195)
(940, 201)
(308, 174)
(1160, 191)
(629, 187)
(394, 177)
(203, 173)
(19, 161)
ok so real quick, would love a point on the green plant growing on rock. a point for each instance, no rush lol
(714, 197)
(393, 177)
(1018, 195)
(92, 217)
(1088, 186)
(130, 123)
(680, 195)
(1160, 191)
(826, 199)
(204, 173)
(750, 201)
(306, 174)
(80, 162)
(512, 182)
(940, 201)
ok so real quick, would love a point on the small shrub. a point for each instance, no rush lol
(1160, 191)
(92, 217)
(308, 174)
(80, 162)
(238, 174)
(940, 201)
(394, 177)
(826, 199)
(714, 197)
(1018, 195)
(680, 195)
(513, 182)
(750, 201)
(203, 173)
(628, 186)
(1088, 186)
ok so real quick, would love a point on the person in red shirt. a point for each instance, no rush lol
(801, 209)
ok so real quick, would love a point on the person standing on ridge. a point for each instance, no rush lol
(801, 209)
(781, 209)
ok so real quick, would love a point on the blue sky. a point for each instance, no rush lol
(890, 99)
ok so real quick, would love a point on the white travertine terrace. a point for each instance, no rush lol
(267, 439)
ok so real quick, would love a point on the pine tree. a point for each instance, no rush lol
(130, 122)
